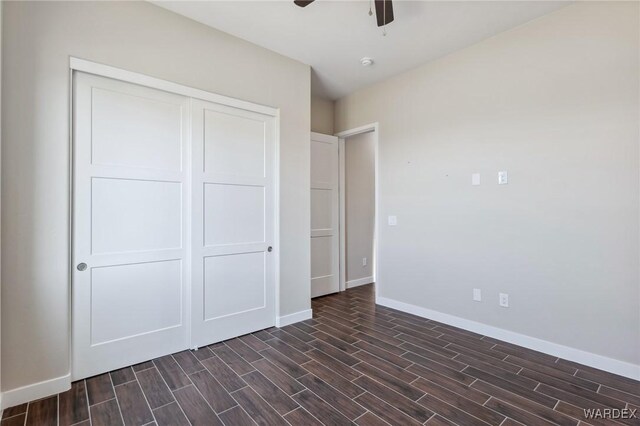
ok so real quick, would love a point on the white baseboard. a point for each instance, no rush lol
(293, 318)
(359, 282)
(611, 365)
(38, 390)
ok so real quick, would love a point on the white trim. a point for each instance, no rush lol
(168, 86)
(321, 137)
(293, 318)
(36, 391)
(342, 220)
(358, 282)
(373, 127)
(611, 365)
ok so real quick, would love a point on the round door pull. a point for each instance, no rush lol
(270, 249)
(81, 267)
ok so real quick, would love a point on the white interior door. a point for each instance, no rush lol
(130, 264)
(325, 252)
(233, 212)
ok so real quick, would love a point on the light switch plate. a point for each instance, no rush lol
(393, 220)
(504, 300)
(503, 177)
(475, 179)
(477, 295)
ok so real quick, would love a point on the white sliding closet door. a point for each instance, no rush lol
(233, 226)
(130, 260)
(325, 232)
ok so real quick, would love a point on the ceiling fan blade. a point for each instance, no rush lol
(384, 12)
(303, 3)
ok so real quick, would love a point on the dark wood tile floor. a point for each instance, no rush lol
(354, 363)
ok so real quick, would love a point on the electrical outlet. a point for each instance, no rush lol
(364, 261)
(503, 178)
(504, 300)
(475, 179)
(477, 295)
(393, 220)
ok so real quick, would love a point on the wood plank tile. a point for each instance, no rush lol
(43, 412)
(73, 404)
(154, 388)
(171, 372)
(302, 417)
(622, 396)
(370, 419)
(332, 396)
(100, 389)
(512, 387)
(15, 420)
(449, 412)
(236, 417)
(334, 352)
(426, 368)
(407, 406)
(188, 362)
(455, 387)
(224, 374)
(441, 421)
(212, 391)
(233, 360)
(611, 380)
(394, 349)
(284, 363)
(202, 353)
(279, 400)
(239, 347)
(385, 366)
(143, 366)
(122, 375)
(572, 388)
(335, 379)
(433, 356)
(298, 333)
(257, 408)
(196, 409)
(288, 384)
(288, 351)
(106, 414)
(320, 409)
(294, 342)
(516, 413)
(459, 401)
(133, 405)
(390, 381)
(386, 412)
(381, 353)
(253, 342)
(541, 411)
(170, 415)
(14, 411)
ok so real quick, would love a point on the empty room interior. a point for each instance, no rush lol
(359, 212)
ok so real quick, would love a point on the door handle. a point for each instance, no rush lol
(269, 249)
(81, 267)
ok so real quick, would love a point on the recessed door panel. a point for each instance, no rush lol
(240, 278)
(135, 130)
(234, 143)
(135, 215)
(233, 214)
(129, 300)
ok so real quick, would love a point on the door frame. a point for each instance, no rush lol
(367, 128)
(102, 70)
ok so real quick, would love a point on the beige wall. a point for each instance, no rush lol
(322, 115)
(554, 102)
(359, 204)
(138, 36)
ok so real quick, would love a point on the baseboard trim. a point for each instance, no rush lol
(611, 365)
(293, 318)
(38, 390)
(359, 282)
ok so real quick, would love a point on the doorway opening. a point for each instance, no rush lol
(358, 153)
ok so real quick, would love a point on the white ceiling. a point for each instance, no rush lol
(332, 36)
